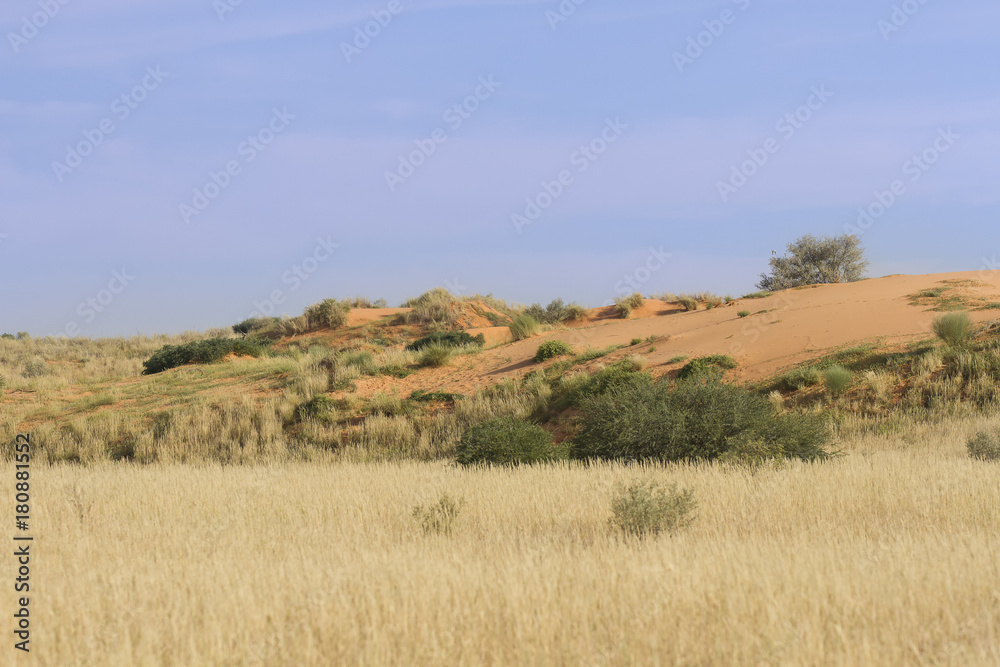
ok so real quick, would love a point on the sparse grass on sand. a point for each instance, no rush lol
(886, 556)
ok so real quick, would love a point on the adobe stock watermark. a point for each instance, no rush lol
(364, 35)
(121, 108)
(914, 169)
(581, 159)
(698, 43)
(454, 116)
(248, 150)
(786, 126)
(224, 7)
(900, 16)
(563, 12)
(32, 25)
(295, 277)
(92, 306)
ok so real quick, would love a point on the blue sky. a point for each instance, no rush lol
(177, 165)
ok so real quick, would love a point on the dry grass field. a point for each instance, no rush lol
(885, 556)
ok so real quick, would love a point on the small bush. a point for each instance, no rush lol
(716, 363)
(550, 349)
(440, 517)
(645, 508)
(523, 327)
(801, 378)
(320, 408)
(447, 339)
(837, 379)
(574, 313)
(688, 302)
(985, 446)
(506, 441)
(198, 352)
(35, 368)
(634, 342)
(327, 313)
(623, 307)
(436, 355)
(955, 329)
(758, 295)
(743, 313)
(434, 308)
(713, 301)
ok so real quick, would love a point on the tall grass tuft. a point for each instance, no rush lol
(955, 329)
(523, 327)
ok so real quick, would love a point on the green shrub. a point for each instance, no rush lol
(688, 302)
(35, 368)
(763, 294)
(440, 517)
(714, 364)
(550, 349)
(436, 355)
(713, 301)
(693, 420)
(743, 313)
(985, 446)
(199, 352)
(447, 339)
(523, 327)
(645, 508)
(253, 325)
(837, 379)
(634, 342)
(955, 329)
(320, 408)
(506, 441)
(801, 378)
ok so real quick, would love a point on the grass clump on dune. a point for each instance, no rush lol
(955, 329)
(447, 339)
(552, 348)
(715, 363)
(523, 327)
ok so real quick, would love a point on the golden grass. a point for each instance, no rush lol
(887, 556)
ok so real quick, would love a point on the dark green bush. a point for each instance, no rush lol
(198, 352)
(696, 419)
(506, 441)
(743, 313)
(714, 364)
(447, 339)
(550, 349)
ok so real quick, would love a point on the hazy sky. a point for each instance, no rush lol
(172, 165)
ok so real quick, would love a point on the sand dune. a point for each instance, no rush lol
(783, 330)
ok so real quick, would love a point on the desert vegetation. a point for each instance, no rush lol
(574, 459)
